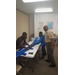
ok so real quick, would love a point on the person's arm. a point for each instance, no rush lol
(52, 41)
(51, 36)
(43, 38)
(23, 46)
(39, 41)
(27, 44)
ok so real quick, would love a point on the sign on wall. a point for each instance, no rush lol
(50, 25)
(41, 25)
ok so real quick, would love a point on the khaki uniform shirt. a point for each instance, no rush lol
(48, 36)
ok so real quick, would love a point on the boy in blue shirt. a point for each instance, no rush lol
(42, 41)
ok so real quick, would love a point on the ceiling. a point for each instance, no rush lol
(29, 8)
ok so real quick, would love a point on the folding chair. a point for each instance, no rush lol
(18, 68)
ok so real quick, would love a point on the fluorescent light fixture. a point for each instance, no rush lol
(27, 1)
(44, 10)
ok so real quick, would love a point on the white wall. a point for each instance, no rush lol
(35, 26)
(31, 24)
(45, 17)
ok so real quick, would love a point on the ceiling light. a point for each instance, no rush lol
(27, 1)
(44, 10)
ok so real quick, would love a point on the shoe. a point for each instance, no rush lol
(52, 66)
(45, 54)
(47, 60)
(42, 58)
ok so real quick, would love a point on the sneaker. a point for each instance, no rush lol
(47, 60)
(52, 65)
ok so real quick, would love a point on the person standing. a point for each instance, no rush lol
(42, 41)
(49, 39)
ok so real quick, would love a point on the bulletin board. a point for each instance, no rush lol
(40, 27)
(50, 25)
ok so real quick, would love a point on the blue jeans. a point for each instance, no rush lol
(43, 51)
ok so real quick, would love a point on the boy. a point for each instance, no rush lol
(41, 40)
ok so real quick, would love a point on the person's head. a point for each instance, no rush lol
(40, 34)
(45, 28)
(24, 35)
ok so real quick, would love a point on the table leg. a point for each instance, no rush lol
(30, 66)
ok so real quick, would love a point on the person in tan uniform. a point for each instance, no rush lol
(49, 39)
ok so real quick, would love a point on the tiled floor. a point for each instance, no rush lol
(42, 67)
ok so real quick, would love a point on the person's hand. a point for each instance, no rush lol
(32, 44)
(51, 48)
(27, 48)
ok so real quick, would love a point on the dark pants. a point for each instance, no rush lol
(43, 51)
(50, 56)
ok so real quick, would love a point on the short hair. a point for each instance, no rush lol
(40, 33)
(24, 33)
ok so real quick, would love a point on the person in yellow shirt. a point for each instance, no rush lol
(49, 39)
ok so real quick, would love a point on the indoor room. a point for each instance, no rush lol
(36, 37)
